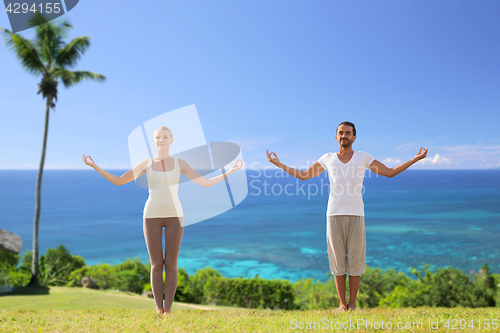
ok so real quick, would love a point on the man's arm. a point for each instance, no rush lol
(380, 169)
(314, 170)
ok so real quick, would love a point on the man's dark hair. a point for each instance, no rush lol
(348, 123)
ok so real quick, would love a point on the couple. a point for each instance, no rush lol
(345, 223)
(345, 231)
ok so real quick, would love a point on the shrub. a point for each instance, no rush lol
(8, 259)
(309, 295)
(447, 287)
(131, 275)
(19, 277)
(55, 266)
(198, 281)
(485, 288)
(62, 262)
(27, 259)
(376, 284)
(249, 293)
(8, 263)
(103, 275)
(10, 274)
(183, 292)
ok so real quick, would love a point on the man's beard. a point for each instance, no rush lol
(345, 142)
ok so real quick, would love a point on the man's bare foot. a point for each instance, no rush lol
(344, 308)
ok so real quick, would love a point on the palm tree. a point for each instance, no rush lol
(49, 56)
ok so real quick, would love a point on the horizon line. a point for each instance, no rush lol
(255, 169)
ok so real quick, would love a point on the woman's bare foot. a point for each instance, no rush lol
(166, 312)
(159, 311)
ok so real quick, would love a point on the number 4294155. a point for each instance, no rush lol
(463, 324)
(18, 8)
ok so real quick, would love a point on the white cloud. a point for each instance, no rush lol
(436, 160)
(470, 156)
(495, 148)
(392, 161)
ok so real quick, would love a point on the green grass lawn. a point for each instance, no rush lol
(66, 309)
(67, 298)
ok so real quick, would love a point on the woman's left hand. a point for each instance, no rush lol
(91, 163)
(236, 166)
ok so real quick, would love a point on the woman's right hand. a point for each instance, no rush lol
(91, 163)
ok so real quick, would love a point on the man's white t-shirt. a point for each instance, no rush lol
(346, 183)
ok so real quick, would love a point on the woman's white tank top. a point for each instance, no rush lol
(163, 200)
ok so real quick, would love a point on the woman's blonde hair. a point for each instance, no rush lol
(166, 129)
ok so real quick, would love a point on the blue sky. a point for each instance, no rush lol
(277, 75)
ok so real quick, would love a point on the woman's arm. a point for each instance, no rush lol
(200, 180)
(127, 177)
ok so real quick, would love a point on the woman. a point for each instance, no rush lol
(163, 209)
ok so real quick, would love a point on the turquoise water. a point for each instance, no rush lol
(441, 217)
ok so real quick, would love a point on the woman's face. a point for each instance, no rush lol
(162, 139)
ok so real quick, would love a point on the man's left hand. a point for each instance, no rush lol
(419, 155)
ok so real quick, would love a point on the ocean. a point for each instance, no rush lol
(440, 217)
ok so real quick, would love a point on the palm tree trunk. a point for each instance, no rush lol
(34, 264)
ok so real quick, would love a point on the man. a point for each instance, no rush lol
(345, 215)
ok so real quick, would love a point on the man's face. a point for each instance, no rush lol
(344, 136)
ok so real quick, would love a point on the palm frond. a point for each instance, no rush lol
(49, 36)
(70, 78)
(72, 52)
(25, 51)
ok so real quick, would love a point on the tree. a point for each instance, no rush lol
(49, 56)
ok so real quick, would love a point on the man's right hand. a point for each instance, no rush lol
(274, 160)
